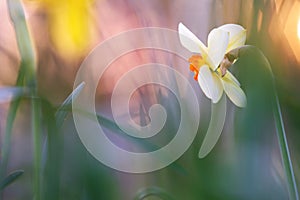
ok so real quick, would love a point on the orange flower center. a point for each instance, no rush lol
(196, 61)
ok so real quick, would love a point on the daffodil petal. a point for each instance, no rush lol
(210, 84)
(230, 76)
(216, 124)
(234, 93)
(217, 45)
(190, 41)
(237, 35)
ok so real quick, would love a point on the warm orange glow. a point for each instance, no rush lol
(196, 61)
(291, 29)
(298, 29)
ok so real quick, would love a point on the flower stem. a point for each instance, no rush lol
(36, 133)
(7, 138)
(284, 149)
(281, 134)
(26, 77)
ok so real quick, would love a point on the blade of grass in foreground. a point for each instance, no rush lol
(10, 178)
(114, 128)
(12, 113)
(15, 94)
(65, 107)
(53, 146)
(279, 124)
(284, 149)
(37, 135)
(27, 77)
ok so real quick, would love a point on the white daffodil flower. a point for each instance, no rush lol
(208, 61)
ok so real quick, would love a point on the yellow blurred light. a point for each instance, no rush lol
(298, 30)
(291, 29)
(71, 25)
(278, 5)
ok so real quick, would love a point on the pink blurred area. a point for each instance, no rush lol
(56, 71)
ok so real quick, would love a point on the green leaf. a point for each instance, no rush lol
(114, 128)
(10, 178)
(63, 110)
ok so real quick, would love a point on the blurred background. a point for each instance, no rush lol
(246, 162)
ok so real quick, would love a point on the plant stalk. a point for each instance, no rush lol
(284, 149)
(28, 78)
(281, 134)
(37, 149)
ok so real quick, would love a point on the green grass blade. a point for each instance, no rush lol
(36, 127)
(65, 107)
(280, 130)
(114, 128)
(284, 149)
(27, 77)
(25, 46)
(12, 113)
(10, 179)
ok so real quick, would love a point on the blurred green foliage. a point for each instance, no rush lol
(245, 164)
